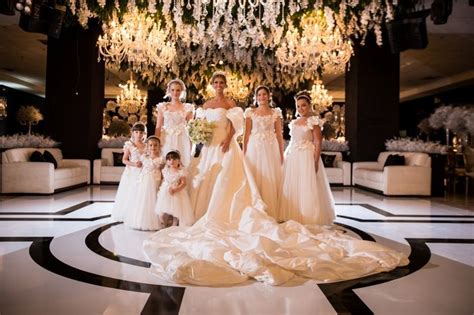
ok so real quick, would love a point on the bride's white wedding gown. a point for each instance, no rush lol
(235, 239)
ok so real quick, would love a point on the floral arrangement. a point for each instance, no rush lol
(29, 116)
(112, 142)
(241, 36)
(335, 145)
(200, 131)
(27, 141)
(459, 119)
(414, 145)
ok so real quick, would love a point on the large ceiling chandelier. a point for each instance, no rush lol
(273, 42)
(318, 46)
(320, 97)
(130, 100)
(137, 40)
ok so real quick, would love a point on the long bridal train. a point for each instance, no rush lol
(235, 239)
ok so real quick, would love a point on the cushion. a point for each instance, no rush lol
(118, 156)
(394, 159)
(328, 159)
(48, 157)
(37, 156)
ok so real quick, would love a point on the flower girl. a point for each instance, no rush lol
(263, 147)
(142, 215)
(132, 151)
(173, 199)
(305, 195)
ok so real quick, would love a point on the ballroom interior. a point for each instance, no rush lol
(395, 80)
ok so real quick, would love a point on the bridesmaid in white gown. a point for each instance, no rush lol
(172, 119)
(235, 239)
(263, 147)
(305, 195)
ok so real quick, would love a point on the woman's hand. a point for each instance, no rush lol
(316, 165)
(138, 164)
(225, 145)
(171, 190)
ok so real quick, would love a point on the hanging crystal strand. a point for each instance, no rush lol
(188, 5)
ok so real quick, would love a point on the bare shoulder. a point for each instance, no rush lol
(230, 103)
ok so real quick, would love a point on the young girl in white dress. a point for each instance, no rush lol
(142, 216)
(263, 147)
(132, 151)
(172, 119)
(173, 199)
(305, 195)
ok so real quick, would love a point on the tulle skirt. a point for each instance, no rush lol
(125, 197)
(180, 142)
(263, 158)
(178, 205)
(305, 195)
(142, 215)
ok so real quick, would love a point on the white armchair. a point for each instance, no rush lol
(19, 175)
(340, 173)
(104, 170)
(413, 178)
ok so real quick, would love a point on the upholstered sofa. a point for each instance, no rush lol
(19, 175)
(413, 178)
(104, 170)
(340, 172)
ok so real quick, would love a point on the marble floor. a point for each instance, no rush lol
(62, 254)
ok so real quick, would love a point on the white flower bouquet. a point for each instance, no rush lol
(200, 131)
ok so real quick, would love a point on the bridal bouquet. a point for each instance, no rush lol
(200, 131)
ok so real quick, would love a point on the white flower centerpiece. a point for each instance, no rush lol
(27, 141)
(414, 145)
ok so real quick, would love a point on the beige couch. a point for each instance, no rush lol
(21, 176)
(340, 173)
(413, 178)
(104, 170)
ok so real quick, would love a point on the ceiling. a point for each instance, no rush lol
(447, 62)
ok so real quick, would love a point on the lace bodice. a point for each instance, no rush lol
(174, 122)
(263, 126)
(171, 177)
(151, 165)
(135, 152)
(302, 135)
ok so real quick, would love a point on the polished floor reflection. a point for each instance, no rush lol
(62, 254)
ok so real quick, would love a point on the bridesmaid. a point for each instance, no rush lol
(172, 119)
(305, 195)
(263, 147)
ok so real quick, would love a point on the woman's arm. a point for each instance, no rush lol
(317, 140)
(126, 159)
(159, 122)
(279, 136)
(230, 134)
(248, 130)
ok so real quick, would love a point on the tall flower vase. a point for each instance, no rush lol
(448, 143)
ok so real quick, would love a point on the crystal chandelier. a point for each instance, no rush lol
(136, 40)
(3, 107)
(130, 100)
(321, 99)
(317, 47)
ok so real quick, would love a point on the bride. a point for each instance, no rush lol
(235, 240)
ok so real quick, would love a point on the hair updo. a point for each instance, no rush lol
(266, 88)
(173, 155)
(178, 82)
(139, 126)
(303, 95)
(219, 74)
